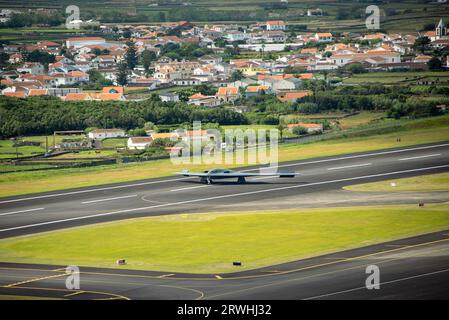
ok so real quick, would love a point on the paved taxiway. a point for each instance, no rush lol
(413, 268)
(418, 266)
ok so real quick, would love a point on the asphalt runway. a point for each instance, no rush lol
(403, 270)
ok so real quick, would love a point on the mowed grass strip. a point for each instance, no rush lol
(427, 183)
(415, 132)
(209, 243)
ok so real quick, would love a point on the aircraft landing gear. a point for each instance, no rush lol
(206, 180)
(241, 180)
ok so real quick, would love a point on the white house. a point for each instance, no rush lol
(34, 68)
(139, 143)
(84, 41)
(323, 37)
(236, 36)
(169, 97)
(386, 56)
(276, 25)
(100, 134)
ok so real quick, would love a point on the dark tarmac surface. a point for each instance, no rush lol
(415, 268)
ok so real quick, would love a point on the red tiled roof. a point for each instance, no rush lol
(224, 91)
(20, 94)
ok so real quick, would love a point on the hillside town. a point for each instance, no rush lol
(181, 54)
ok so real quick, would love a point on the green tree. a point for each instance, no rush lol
(299, 131)
(146, 58)
(4, 57)
(41, 57)
(421, 44)
(131, 55)
(237, 75)
(122, 75)
(434, 64)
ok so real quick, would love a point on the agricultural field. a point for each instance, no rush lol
(406, 15)
(7, 150)
(363, 118)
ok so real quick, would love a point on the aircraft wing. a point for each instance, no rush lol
(236, 174)
(186, 173)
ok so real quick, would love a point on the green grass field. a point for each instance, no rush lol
(413, 132)
(209, 243)
(360, 119)
(8, 151)
(426, 183)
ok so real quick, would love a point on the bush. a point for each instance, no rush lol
(299, 131)
(270, 120)
(137, 132)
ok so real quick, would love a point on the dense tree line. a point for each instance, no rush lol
(25, 19)
(43, 115)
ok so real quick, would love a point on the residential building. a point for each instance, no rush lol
(75, 43)
(293, 96)
(169, 97)
(310, 127)
(255, 91)
(274, 25)
(199, 99)
(323, 37)
(228, 94)
(139, 143)
(100, 134)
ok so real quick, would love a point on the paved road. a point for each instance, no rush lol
(414, 266)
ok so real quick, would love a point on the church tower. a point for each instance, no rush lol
(441, 30)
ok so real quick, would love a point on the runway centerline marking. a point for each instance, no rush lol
(109, 199)
(246, 170)
(420, 157)
(351, 166)
(382, 283)
(22, 211)
(220, 197)
(188, 188)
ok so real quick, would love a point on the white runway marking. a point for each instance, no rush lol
(23, 211)
(180, 179)
(353, 166)
(220, 197)
(421, 157)
(381, 284)
(109, 199)
(188, 188)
